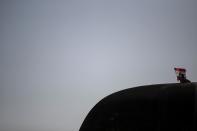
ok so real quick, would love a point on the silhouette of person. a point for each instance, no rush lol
(183, 79)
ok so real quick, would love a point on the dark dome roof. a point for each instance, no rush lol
(163, 107)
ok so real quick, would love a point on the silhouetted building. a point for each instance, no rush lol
(163, 107)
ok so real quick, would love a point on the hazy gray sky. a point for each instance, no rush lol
(59, 58)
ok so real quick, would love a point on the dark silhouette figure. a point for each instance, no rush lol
(181, 75)
(183, 79)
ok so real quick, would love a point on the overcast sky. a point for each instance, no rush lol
(59, 58)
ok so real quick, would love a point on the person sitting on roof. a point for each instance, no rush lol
(181, 75)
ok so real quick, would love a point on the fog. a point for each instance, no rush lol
(58, 58)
